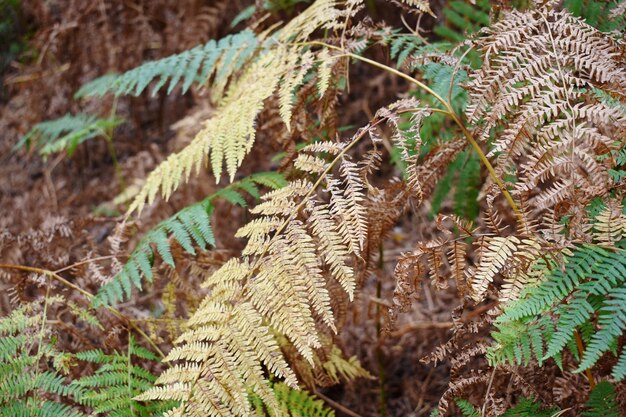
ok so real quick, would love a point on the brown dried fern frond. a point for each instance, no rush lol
(535, 95)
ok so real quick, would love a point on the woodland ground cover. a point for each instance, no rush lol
(313, 208)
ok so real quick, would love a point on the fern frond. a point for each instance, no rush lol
(610, 224)
(112, 388)
(612, 326)
(293, 403)
(602, 401)
(215, 59)
(528, 407)
(494, 255)
(66, 133)
(190, 227)
(30, 383)
(467, 408)
(278, 290)
(590, 283)
(535, 91)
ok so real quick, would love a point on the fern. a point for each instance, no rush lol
(228, 136)
(602, 402)
(214, 60)
(280, 285)
(189, 227)
(293, 403)
(467, 408)
(591, 282)
(66, 133)
(30, 380)
(550, 131)
(529, 408)
(112, 388)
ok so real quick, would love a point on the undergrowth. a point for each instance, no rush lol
(509, 141)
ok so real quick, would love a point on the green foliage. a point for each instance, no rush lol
(598, 13)
(189, 226)
(292, 403)
(112, 388)
(216, 59)
(30, 382)
(590, 283)
(66, 133)
(467, 408)
(529, 408)
(403, 46)
(602, 401)
(463, 18)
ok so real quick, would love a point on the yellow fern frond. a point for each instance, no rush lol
(334, 251)
(610, 223)
(300, 65)
(324, 71)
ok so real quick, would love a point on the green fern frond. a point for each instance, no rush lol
(528, 407)
(66, 133)
(517, 342)
(217, 59)
(29, 379)
(292, 403)
(602, 402)
(612, 323)
(403, 46)
(467, 408)
(111, 390)
(589, 284)
(190, 227)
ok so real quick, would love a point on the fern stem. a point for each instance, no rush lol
(581, 352)
(86, 261)
(335, 404)
(88, 295)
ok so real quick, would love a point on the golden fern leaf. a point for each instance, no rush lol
(221, 356)
(229, 135)
(324, 71)
(495, 252)
(334, 251)
(300, 65)
(610, 223)
(535, 91)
